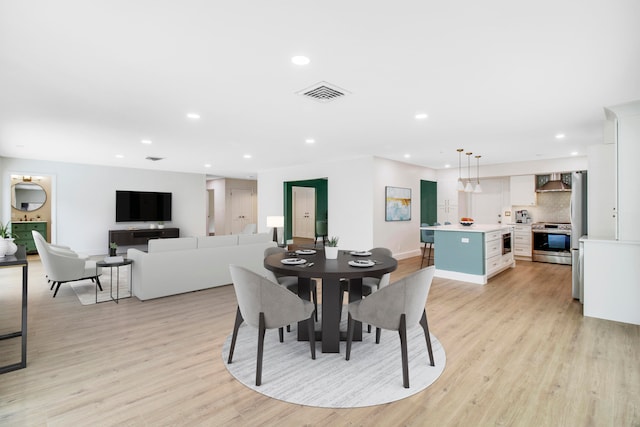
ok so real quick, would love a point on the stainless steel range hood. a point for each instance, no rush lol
(554, 184)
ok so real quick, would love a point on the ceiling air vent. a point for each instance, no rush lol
(323, 92)
(154, 159)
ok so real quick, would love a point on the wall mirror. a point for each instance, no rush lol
(27, 196)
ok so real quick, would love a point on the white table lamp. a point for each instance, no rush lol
(275, 222)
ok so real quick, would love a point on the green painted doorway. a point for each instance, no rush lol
(428, 202)
(321, 206)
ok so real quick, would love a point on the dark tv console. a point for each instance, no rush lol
(141, 236)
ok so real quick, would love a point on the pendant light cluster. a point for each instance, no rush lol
(468, 188)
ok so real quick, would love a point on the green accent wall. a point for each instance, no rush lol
(453, 255)
(428, 202)
(322, 201)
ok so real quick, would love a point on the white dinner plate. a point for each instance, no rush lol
(293, 261)
(360, 253)
(305, 252)
(362, 263)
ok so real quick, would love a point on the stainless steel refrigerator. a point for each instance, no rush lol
(578, 229)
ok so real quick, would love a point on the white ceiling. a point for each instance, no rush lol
(82, 81)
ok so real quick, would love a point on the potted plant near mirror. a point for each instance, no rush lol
(7, 246)
(331, 248)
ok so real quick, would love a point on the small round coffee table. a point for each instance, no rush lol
(117, 265)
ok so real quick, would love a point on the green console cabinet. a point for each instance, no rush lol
(23, 231)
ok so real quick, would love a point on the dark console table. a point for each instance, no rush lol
(141, 236)
(18, 260)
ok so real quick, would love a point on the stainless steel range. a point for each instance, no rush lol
(552, 242)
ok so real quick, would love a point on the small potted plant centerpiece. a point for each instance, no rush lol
(331, 248)
(160, 224)
(113, 247)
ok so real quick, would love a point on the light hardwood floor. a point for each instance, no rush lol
(519, 352)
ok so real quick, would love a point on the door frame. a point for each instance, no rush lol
(428, 202)
(322, 205)
(295, 226)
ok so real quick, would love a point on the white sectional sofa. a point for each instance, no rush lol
(185, 264)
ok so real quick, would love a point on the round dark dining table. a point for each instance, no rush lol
(331, 271)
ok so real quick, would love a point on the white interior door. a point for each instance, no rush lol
(241, 209)
(304, 212)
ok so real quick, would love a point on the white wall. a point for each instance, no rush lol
(350, 197)
(402, 237)
(84, 199)
(356, 200)
(488, 207)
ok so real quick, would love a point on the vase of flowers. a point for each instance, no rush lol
(12, 248)
(7, 246)
(331, 248)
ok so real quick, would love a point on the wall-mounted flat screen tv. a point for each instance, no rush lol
(142, 206)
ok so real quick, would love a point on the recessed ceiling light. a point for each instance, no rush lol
(574, 153)
(247, 156)
(146, 141)
(119, 156)
(310, 140)
(447, 165)
(421, 116)
(406, 156)
(207, 165)
(193, 116)
(300, 60)
(560, 136)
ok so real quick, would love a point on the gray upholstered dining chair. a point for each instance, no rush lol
(395, 307)
(372, 284)
(290, 282)
(369, 284)
(321, 231)
(264, 304)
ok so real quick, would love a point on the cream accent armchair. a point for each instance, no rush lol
(62, 265)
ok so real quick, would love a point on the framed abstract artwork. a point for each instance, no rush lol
(397, 204)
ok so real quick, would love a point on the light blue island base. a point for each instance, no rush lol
(472, 254)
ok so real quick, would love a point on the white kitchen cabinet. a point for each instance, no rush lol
(495, 260)
(447, 212)
(626, 120)
(447, 201)
(523, 190)
(522, 247)
(629, 176)
(601, 192)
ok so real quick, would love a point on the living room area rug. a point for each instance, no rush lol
(373, 376)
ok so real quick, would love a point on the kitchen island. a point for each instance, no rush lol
(472, 253)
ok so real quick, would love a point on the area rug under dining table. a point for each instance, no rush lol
(373, 376)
